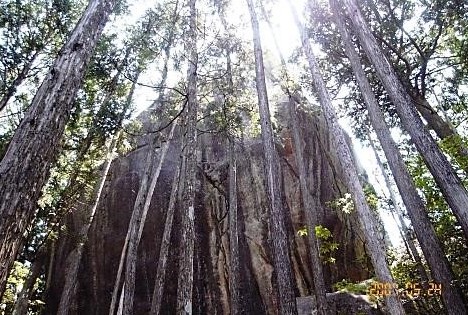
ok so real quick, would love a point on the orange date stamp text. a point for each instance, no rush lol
(412, 289)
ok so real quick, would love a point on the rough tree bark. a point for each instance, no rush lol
(185, 279)
(164, 249)
(367, 219)
(433, 119)
(35, 144)
(281, 259)
(406, 234)
(423, 228)
(443, 128)
(450, 185)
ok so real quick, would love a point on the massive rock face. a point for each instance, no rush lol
(211, 292)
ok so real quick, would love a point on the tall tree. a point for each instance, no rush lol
(35, 144)
(367, 219)
(85, 136)
(309, 195)
(31, 33)
(164, 249)
(425, 232)
(414, 51)
(281, 259)
(236, 306)
(138, 219)
(450, 185)
(145, 192)
(235, 293)
(406, 234)
(185, 280)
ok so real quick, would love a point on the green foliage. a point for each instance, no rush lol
(405, 274)
(4, 141)
(327, 246)
(371, 197)
(456, 147)
(31, 31)
(15, 282)
(345, 203)
(322, 233)
(446, 226)
(100, 110)
(351, 287)
(325, 238)
(405, 270)
(34, 30)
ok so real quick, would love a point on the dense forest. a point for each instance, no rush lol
(190, 157)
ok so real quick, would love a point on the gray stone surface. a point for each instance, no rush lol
(211, 293)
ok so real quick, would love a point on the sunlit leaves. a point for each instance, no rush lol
(15, 282)
(348, 286)
(344, 203)
(325, 237)
(327, 246)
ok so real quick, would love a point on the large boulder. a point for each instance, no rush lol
(211, 293)
(339, 303)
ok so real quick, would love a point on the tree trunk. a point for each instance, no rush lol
(281, 259)
(442, 128)
(236, 305)
(138, 219)
(185, 279)
(434, 121)
(234, 263)
(21, 304)
(450, 185)
(164, 249)
(129, 251)
(159, 101)
(74, 258)
(310, 203)
(25, 167)
(118, 278)
(398, 211)
(74, 187)
(10, 91)
(425, 232)
(367, 219)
